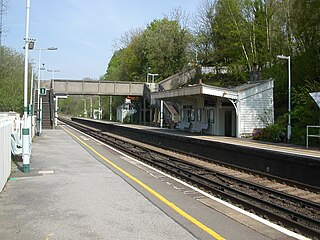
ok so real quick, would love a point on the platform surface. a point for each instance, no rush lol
(71, 193)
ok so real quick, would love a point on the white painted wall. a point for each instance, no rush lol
(255, 104)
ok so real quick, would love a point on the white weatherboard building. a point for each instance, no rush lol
(126, 110)
(223, 111)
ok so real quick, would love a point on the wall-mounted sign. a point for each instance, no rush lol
(42, 91)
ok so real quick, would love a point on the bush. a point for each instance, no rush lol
(272, 133)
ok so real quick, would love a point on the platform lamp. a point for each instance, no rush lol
(31, 103)
(53, 71)
(91, 111)
(85, 107)
(26, 128)
(148, 69)
(56, 101)
(289, 94)
(38, 87)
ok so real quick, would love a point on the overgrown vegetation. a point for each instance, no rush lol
(11, 80)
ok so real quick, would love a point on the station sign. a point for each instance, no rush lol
(316, 97)
(42, 91)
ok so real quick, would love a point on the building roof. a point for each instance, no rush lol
(249, 85)
(203, 89)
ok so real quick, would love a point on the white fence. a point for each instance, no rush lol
(5, 150)
(9, 123)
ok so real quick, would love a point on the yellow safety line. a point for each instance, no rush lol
(153, 192)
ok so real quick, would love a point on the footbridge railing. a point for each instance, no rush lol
(88, 87)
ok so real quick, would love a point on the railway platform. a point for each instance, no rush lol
(245, 142)
(285, 161)
(79, 188)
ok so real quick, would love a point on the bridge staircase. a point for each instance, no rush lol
(47, 110)
(171, 109)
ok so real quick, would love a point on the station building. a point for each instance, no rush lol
(214, 110)
(235, 111)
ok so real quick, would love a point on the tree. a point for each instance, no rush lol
(306, 33)
(162, 46)
(203, 32)
(128, 62)
(11, 81)
(165, 46)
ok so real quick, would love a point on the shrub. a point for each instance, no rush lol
(272, 133)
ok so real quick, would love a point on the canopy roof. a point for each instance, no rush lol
(203, 89)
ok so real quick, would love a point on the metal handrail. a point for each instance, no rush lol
(312, 135)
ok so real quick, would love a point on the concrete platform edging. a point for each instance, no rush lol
(298, 168)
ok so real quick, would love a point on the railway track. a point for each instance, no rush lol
(251, 193)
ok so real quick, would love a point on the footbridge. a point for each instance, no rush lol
(59, 88)
(100, 88)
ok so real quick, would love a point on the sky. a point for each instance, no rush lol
(83, 31)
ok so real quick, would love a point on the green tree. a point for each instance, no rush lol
(203, 32)
(128, 62)
(11, 80)
(165, 46)
(162, 46)
(306, 33)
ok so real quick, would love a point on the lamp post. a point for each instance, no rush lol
(26, 129)
(31, 104)
(91, 112)
(56, 109)
(38, 87)
(289, 94)
(85, 107)
(53, 71)
(56, 101)
(100, 110)
(148, 69)
(152, 89)
(110, 108)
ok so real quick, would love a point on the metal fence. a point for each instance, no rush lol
(312, 135)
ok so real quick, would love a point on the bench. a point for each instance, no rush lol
(182, 125)
(200, 127)
(16, 145)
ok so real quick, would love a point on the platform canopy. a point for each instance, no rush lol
(197, 89)
(316, 97)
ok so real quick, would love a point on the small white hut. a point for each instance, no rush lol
(125, 110)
